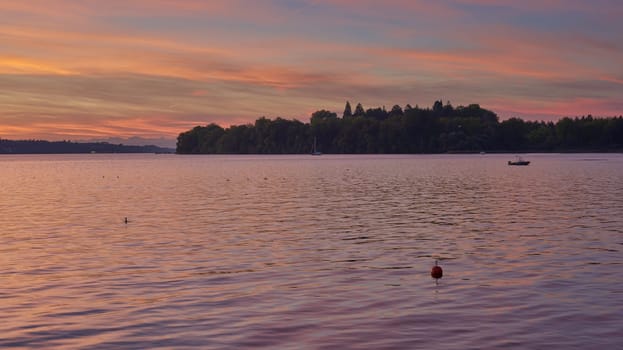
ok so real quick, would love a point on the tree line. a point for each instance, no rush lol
(64, 147)
(440, 129)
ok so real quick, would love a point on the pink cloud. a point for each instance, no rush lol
(64, 66)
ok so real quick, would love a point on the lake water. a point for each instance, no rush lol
(301, 252)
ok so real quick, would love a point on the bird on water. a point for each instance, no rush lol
(436, 272)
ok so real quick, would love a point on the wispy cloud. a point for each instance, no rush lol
(155, 68)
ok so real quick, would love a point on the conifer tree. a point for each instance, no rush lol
(347, 111)
(359, 111)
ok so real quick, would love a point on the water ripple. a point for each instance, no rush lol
(290, 252)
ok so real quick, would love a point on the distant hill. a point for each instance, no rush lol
(52, 147)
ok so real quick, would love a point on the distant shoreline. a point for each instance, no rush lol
(415, 154)
(68, 147)
(172, 152)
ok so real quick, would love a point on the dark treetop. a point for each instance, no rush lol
(440, 129)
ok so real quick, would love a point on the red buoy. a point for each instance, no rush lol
(436, 272)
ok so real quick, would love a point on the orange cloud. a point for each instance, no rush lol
(25, 65)
(155, 67)
(114, 54)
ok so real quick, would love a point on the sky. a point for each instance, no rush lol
(150, 69)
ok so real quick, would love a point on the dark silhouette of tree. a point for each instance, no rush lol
(438, 107)
(541, 136)
(347, 111)
(321, 115)
(359, 111)
(377, 113)
(512, 134)
(396, 111)
(443, 128)
(447, 110)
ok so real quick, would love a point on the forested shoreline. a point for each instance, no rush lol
(440, 129)
(68, 147)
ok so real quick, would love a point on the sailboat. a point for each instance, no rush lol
(315, 152)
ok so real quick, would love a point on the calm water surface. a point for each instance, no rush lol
(301, 252)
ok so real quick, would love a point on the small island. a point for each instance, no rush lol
(440, 129)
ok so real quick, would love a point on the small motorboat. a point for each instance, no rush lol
(519, 161)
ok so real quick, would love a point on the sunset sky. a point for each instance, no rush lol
(94, 69)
